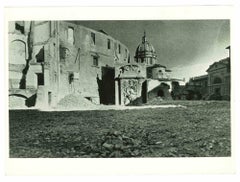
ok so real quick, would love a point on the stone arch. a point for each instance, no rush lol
(21, 100)
(18, 95)
(17, 51)
(160, 93)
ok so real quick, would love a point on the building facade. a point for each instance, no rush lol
(219, 79)
(158, 81)
(51, 59)
(215, 85)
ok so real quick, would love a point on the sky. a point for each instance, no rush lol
(187, 47)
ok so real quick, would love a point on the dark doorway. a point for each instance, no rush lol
(144, 92)
(217, 91)
(107, 88)
(160, 93)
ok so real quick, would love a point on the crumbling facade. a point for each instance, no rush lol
(51, 59)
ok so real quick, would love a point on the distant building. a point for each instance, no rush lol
(197, 87)
(219, 79)
(159, 82)
(213, 86)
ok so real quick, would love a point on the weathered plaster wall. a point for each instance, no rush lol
(158, 88)
(77, 59)
(63, 61)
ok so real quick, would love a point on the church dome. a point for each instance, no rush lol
(145, 52)
(145, 49)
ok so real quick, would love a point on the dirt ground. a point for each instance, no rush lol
(196, 129)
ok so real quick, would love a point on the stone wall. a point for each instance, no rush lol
(219, 82)
(62, 58)
(158, 88)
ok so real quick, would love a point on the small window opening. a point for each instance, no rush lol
(95, 61)
(119, 49)
(93, 38)
(70, 35)
(19, 26)
(40, 79)
(109, 44)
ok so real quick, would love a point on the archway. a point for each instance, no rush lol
(17, 51)
(160, 93)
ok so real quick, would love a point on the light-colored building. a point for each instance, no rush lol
(219, 79)
(215, 85)
(51, 59)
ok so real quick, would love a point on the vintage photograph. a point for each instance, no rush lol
(119, 88)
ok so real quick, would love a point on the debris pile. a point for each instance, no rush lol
(75, 101)
(155, 101)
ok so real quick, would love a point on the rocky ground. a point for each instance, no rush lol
(198, 129)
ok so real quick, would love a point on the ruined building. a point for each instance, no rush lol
(51, 59)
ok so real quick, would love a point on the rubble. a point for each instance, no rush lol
(75, 101)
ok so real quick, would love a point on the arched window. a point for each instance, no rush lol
(17, 52)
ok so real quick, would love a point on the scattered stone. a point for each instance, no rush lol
(108, 146)
(116, 144)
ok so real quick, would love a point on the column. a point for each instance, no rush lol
(116, 93)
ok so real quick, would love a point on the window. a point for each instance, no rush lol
(93, 38)
(119, 48)
(40, 79)
(70, 35)
(95, 61)
(70, 78)
(109, 44)
(151, 62)
(128, 58)
(126, 53)
(19, 25)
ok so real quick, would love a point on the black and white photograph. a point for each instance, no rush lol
(105, 89)
(153, 91)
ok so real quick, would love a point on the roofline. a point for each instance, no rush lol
(95, 31)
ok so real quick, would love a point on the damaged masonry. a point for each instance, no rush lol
(50, 60)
